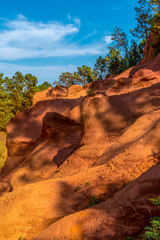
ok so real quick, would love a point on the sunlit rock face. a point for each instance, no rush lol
(50, 93)
(148, 50)
(87, 145)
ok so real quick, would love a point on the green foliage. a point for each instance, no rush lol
(155, 201)
(115, 62)
(155, 29)
(77, 189)
(83, 75)
(90, 91)
(86, 74)
(152, 232)
(121, 41)
(67, 79)
(16, 95)
(143, 16)
(153, 4)
(93, 201)
(136, 52)
(100, 67)
(15, 87)
(29, 90)
(148, 20)
(43, 86)
(3, 149)
(87, 183)
(21, 238)
(129, 238)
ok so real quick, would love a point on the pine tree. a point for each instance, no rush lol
(143, 17)
(100, 67)
(67, 79)
(115, 62)
(6, 105)
(43, 86)
(136, 53)
(86, 74)
(121, 40)
(29, 90)
(15, 87)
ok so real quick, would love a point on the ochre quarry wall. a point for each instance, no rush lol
(76, 148)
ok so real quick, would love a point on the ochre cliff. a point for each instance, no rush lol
(98, 143)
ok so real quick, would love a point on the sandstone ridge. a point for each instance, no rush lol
(83, 162)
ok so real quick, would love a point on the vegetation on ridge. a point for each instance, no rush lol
(151, 232)
(123, 53)
(16, 95)
(3, 149)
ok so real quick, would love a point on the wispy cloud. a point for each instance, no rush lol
(77, 21)
(88, 36)
(21, 38)
(69, 16)
(108, 39)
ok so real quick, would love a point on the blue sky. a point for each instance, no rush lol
(48, 37)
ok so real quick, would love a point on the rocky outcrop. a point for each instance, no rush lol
(50, 93)
(125, 214)
(29, 138)
(148, 51)
(68, 153)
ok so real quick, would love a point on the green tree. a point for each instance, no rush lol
(100, 67)
(121, 41)
(115, 62)
(86, 74)
(16, 95)
(135, 53)
(15, 87)
(67, 79)
(6, 105)
(43, 86)
(155, 27)
(143, 17)
(29, 90)
(154, 4)
(148, 20)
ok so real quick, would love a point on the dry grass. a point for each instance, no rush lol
(3, 149)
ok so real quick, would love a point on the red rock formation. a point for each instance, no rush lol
(88, 145)
(148, 51)
(125, 214)
(50, 93)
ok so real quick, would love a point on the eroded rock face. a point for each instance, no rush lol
(50, 93)
(59, 139)
(125, 214)
(65, 153)
(143, 75)
(36, 137)
(148, 51)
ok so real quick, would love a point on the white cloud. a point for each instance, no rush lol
(43, 73)
(23, 33)
(108, 39)
(89, 35)
(21, 39)
(69, 16)
(77, 21)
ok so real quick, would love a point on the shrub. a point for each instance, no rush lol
(151, 232)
